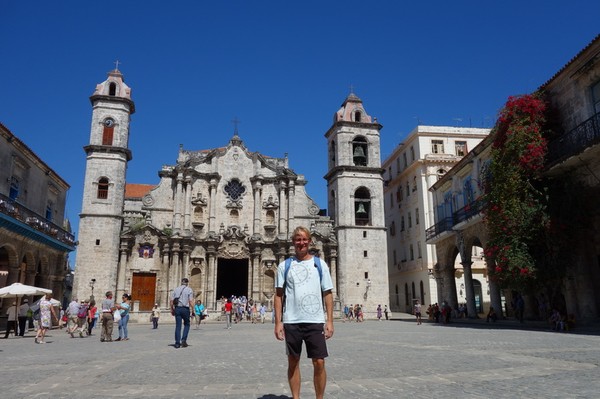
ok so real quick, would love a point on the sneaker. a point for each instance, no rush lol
(177, 346)
(118, 339)
(184, 344)
(80, 334)
(36, 340)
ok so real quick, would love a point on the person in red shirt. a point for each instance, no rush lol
(228, 308)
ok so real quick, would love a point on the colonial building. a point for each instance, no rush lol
(34, 237)
(572, 165)
(411, 169)
(222, 217)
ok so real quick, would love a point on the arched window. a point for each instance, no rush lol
(270, 219)
(108, 132)
(413, 290)
(103, 188)
(362, 207)
(406, 300)
(402, 223)
(412, 254)
(112, 89)
(332, 151)
(234, 217)
(414, 187)
(360, 151)
(422, 292)
(356, 116)
(397, 295)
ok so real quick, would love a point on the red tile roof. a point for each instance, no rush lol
(137, 190)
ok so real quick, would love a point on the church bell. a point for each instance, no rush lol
(359, 155)
(361, 209)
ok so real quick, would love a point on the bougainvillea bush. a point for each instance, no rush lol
(516, 215)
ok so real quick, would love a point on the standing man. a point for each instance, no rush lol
(304, 289)
(108, 307)
(73, 319)
(182, 303)
(418, 311)
(23, 316)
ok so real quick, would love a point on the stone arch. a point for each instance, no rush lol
(196, 280)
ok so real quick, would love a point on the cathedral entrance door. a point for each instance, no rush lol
(232, 277)
(143, 289)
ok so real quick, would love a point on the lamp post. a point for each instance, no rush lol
(92, 282)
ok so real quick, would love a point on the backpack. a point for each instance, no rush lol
(82, 314)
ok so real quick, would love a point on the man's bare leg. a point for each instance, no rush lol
(319, 377)
(294, 375)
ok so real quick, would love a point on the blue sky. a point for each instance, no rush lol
(283, 68)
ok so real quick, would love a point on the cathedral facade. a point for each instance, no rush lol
(223, 217)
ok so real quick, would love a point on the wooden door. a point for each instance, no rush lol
(144, 290)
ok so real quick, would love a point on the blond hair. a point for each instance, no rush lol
(302, 229)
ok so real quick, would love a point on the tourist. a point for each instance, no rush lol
(23, 316)
(11, 323)
(107, 306)
(123, 309)
(417, 310)
(386, 312)
(295, 320)
(46, 314)
(72, 318)
(198, 312)
(182, 303)
(379, 312)
(155, 315)
(91, 316)
(228, 308)
(263, 311)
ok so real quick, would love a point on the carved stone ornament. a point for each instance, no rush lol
(271, 203)
(233, 249)
(147, 200)
(198, 200)
(313, 210)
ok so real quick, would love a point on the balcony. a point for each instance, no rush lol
(462, 215)
(574, 142)
(21, 220)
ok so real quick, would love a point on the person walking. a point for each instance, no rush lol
(72, 320)
(155, 316)
(228, 308)
(199, 312)
(123, 308)
(379, 312)
(46, 314)
(23, 317)
(386, 312)
(182, 303)
(91, 317)
(108, 307)
(11, 323)
(303, 288)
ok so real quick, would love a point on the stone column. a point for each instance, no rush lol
(333, 270)
(175, 265)
(121, 289)
(167, 280)
(449, 287)
(187, 218)
(469, 289)
(212, 201)
(177, 204)
(256, 226)
(290, 207)
(211, 277)
(186, 261)
(282, 227)
(495, 298)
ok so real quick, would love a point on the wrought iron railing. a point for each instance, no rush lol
(466, 212)
(438, 228)
(574, 142)
(19, 212)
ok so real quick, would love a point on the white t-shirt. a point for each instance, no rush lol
(303, 292)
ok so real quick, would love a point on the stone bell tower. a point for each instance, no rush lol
(355, 201)
(101, 218)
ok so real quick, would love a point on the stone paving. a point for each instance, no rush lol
(388, 359)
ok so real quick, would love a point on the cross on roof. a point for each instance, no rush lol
(117, 65)
(235, 122)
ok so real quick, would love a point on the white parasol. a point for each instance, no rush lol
(18, 290)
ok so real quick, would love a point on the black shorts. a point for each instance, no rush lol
(312, 334)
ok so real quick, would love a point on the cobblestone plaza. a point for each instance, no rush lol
(393, 359)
